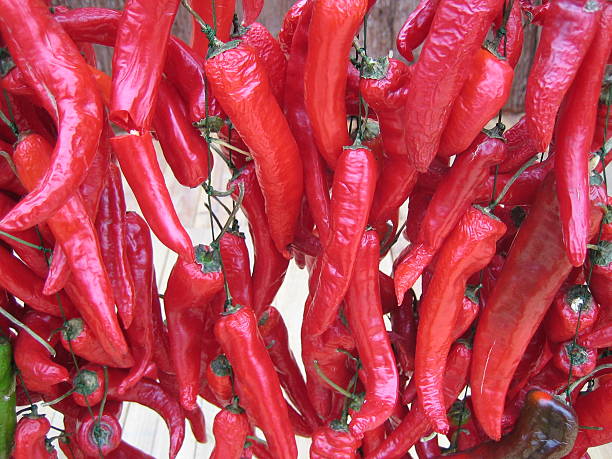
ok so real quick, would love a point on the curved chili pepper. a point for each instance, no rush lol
(270, 55)
(440, 72)
(139, 252)
(333, 25)
(448, 204)
(511, 44)
(59, 272)
(316, 187)
(138, 162)
(260, 388)
(221, 21)
(126, 451)
(416, 28)
(91, 188)
(562, 317)
(534, 270)
(364, 315)
(230, 428)
(110, 226)
(137, 70)
(78, 337)
(581, 360)
(98, 435)
(218, 376)
(483, 94)
(8, 418)
(334, 442)
(521, 147)
(191, 287)
(415, 424)
(251, 9)
(276, 338)
(373, 438)
(8, 180)
(290, 24)
(547, 427)
(428, 449)
(574, 133)
(567, 32)
(37, 368)
(184, 149)
(235, 256)
(65, 87)
(30, 437)
(261, 124)
(75, 232)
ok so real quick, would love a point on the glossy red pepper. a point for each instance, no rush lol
(483, 94)
(219, 378)
(237, 270)
(536, 357)
(126, 451)
(230, 428)
(334, 441)
(415, 424)
(221, 20)
(416, 28)
(568, 29)
(261, 124)
(352, 191)
(30, 437)
(575, 358)
(465, 432)
(290, 24)
(138, 162)
(184, 148)
(66, 89)
(74, 230)
(373, 438)
(534, 270)
(440, 72)
(364, 315)
(98, 435)
(89, 385)
(191, 288)
(36, 367)
(259, 391)
(569, 306)
(333, 25)
(251, 9)
(137, 69)
(428, 449)
(276, 338)
(161, 352)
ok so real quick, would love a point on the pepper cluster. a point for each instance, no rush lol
(505, 351)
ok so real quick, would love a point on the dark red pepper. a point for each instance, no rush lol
(570, 304)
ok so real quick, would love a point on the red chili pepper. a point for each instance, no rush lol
(98, 435)
(91, 188)
(66, 89)
(261, 124)
(184, 149)
(573, 136)
(465, 432)
(191, 288)
(333, 25)
(75, 232)
(139, 252)
(260, 390)
(316, 187)
(450, 201)
(416, 28)
(290, 25)
(534, 270)
(30, 437)
(8, 180)
(276, 338)
(89, 386)
(110, 226)
(126, 451)
(570, 305)
(437, 78)
(221, 21)
(334, 442)
(251, 9)
(470, 308)
(352, 191)
(235, 256)
(482, 95)
(581, 360)
(140, 52)
(520, 147)
(364, 315)
(567, 32)
(428, 449)
(415, 424)
(219, 378)
(78, 337)
(230, 428)
(403, 333)
(511, 43)
(372, 439)
(138, 162)
(468, 249)
(161, 351)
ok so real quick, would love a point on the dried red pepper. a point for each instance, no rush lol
(334, 441)
(581, 360)
(569, 305)
(230, 428)
(221, 19)
(98, 435)
(30, 437)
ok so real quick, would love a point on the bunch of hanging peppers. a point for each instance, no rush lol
(459, 271)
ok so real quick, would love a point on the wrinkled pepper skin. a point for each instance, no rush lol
(290, 25)
(333, 25)
(532, 274)
(457, 32)
(224, 14)
(30, 438)
(68, 93)
(230, 429)
(567, 32)
(98, 435)
(260, 390)
(261, 124)
(561, 322)
(364, 315)
(329, 443)
(579, 360)
(415, 29)
(483, 94)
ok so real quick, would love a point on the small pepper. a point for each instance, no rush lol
(30, 438)
(219, 378)
(334, 441)
(570, 305)
(231, 427)
(575, 358)
(416, 28)
(98, 435)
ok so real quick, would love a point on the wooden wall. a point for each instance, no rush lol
(384, 21)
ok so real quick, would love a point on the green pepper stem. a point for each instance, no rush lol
(28, 330)
(330, 383)
(513, 179)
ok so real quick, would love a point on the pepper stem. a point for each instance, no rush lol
(330, 383)
(28, 330)
(516, 175)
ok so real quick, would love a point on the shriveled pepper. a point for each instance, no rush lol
(572, 357)
(221, 19)
(569, 305)
(230, 428)
(65, 87)
(416, 28)
(31, 437)
(334, 441)
(521, 147)
(290, 25)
